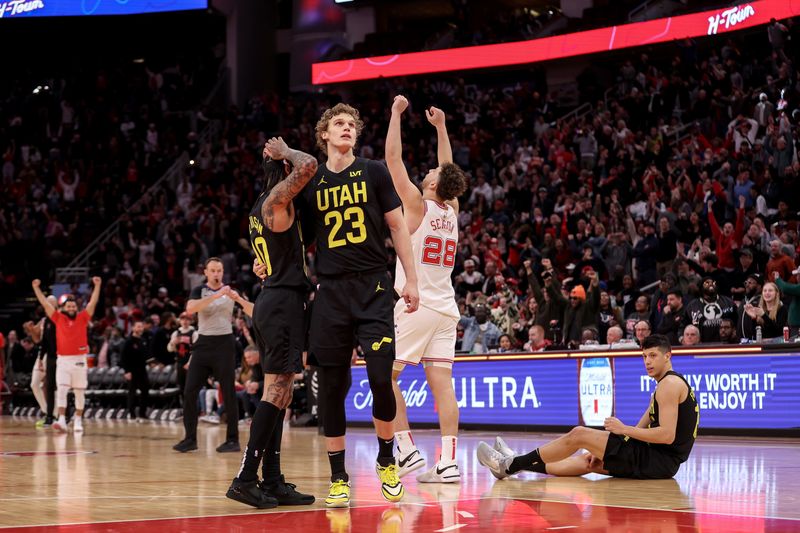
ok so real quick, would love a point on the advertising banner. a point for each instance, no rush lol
(11, 9)
(713, 22)
(733, 392)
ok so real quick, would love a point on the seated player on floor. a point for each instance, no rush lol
(653, 449)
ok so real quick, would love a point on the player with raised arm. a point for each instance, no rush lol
(351, 202)
(429, 335)
(72, 347)
(653, 449)
(278, 322)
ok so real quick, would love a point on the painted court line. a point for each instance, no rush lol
(690, 511)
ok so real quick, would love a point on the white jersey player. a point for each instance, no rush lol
(429, 335)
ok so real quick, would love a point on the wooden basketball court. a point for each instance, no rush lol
(122, 476)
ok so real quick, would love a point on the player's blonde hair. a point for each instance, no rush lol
(338, 109)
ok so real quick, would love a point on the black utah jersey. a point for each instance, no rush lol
(686, 428)
(283, 253)
(347, 209)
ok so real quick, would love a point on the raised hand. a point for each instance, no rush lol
(435, 116)
(277, 149)
(36, 283)
(97, 280)
(400, 104)
(527, 265)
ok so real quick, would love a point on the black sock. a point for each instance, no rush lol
(530, 461)
(271, 467)
(260, 431)
(337, 466)
(385, 451)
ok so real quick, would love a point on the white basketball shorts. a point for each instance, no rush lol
(71, 371)
(425, 336)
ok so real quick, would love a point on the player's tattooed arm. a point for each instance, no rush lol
(276, 209)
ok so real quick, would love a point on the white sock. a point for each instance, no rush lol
(448, 449)
(78, 419)
(62, 420)
(404, 442)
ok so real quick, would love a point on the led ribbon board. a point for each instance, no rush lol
(712, 22)
(11, 9)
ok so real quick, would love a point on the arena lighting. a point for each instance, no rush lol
(713, 22)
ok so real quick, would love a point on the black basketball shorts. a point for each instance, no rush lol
(279, 325)
(631, 458)
(349, 310)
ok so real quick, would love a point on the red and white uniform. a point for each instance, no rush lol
(72, 346)
(429, 334)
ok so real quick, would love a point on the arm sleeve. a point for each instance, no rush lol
(196, 294)
(739, 232)
(712, 222)
(788, 288)
(387, 196)
(536, 288)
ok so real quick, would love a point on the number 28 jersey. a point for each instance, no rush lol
(434, 246)
(348, 210)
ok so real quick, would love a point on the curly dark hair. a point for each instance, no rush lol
(452, 182)
(338, 109)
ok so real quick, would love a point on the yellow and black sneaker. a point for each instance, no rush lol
(339, 494)
(391, 487)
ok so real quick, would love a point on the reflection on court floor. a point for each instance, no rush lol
(124, 477)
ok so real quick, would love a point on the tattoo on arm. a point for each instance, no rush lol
(304, 166)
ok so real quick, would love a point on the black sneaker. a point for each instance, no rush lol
(229, 446)
(48, 421)
(248, 492)
(285, 493)
(186, 445)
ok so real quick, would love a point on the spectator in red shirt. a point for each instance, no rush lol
(72, 346)
(728, 238)
(779, 262)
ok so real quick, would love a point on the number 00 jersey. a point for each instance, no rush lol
(434, 245)
(348, 210)
(283, 252)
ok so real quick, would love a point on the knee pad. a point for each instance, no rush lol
(379, 372)
(61, 396)
(334, 384)
(80, 399)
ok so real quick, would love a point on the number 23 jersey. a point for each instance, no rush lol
(347, 209)
(434, 246)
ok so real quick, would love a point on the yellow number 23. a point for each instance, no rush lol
(355, 215)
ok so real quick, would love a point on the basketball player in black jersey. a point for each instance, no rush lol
(653, 449)
(351, 201)
(278, 319)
